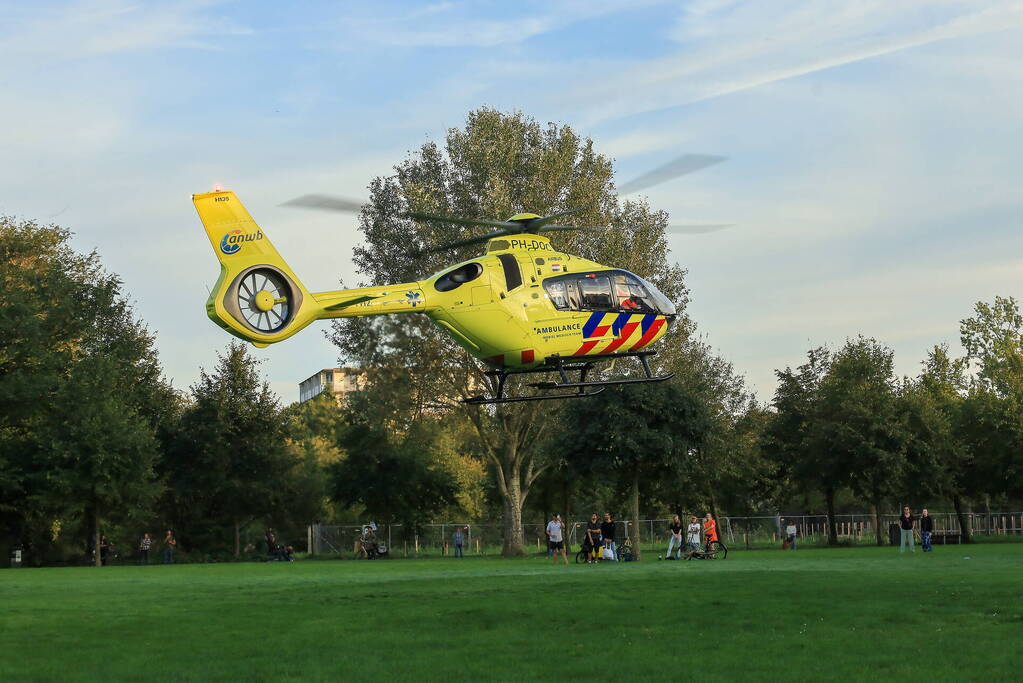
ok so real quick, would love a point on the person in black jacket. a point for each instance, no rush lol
(926, 528)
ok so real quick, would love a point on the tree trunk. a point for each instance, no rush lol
(829, 496)
(987, 514)
(95, 539)
(237, 539)
(877, 522)
(634, 530)
(964, 520)
(512, 522)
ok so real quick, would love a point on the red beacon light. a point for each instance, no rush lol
(218, 188)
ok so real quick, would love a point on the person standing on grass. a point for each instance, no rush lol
(556, 539)
(144, 545)
(907, 522)
(458, 537)
(693, 535)
(710, 530)
(271, 542)
(607, 531)
(675, 540)
(169, 544)
(790, 532)
(593, 536)
(926, 529)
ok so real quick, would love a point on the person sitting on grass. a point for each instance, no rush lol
(556, 539)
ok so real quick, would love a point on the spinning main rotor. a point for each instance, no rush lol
(530, 222)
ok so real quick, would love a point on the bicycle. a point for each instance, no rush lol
(713, 550)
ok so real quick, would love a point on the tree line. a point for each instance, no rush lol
(94, 440)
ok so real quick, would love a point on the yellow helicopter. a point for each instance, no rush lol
(522, 308)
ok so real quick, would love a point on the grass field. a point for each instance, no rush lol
(844, 614)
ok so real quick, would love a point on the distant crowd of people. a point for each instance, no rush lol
(599, 542)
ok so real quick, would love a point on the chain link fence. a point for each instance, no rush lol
(436, 540)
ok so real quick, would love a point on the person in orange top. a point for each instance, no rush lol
(710, 530)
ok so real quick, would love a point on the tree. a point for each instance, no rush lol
(40, 328)
(231, 456)
(796, 438)
(938, 453)
(498, 165)
(861, 423)
(993, 339)
(641, 433)
(102, 452)
(82, 396)
(725, 466)
(389, 477)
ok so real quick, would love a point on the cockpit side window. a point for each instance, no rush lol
(581, 292)
(595, 293)
(632, 296)
(609, 291)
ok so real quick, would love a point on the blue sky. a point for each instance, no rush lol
(874, 146)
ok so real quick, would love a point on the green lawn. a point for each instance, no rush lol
(846, 614)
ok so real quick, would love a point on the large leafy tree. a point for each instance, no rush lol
(726, 467)
(861, 423)
(496, 166)
(230, 463)
(993, 339)
(796, 438)
(82, 398)
(938, 454)
(642, 434)
(386, 474)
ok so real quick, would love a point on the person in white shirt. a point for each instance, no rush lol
(790, 531)
(693, 535)
(556, 539)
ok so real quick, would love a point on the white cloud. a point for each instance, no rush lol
(729, 47)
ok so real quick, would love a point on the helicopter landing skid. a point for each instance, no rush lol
(563, 365)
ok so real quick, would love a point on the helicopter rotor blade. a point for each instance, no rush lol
(461, 221)
(538, 223)
(583, 228)
(326, 202)
(466, 242)
(683, 165)
(698, 229)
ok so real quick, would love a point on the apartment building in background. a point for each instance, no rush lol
(338, 381)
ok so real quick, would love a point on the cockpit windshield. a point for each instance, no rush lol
(606, 290)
